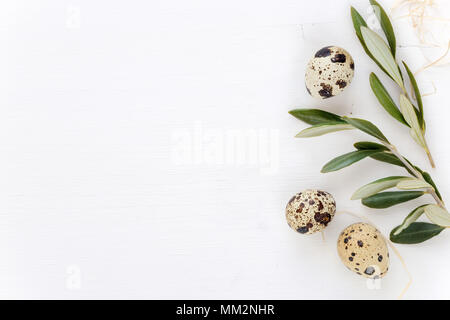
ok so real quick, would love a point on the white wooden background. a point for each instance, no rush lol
(117, 175)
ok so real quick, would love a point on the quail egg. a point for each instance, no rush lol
(363, 250)
(329, 72)
(310, 211)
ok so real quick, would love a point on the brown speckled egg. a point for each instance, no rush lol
(329, 72)
(310, 211)
(363, 250)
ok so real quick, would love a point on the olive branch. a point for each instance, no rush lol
(419, 182)
(384, 56)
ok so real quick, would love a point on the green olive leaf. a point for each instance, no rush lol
(321, 129)
(385, 99)
(346, 160)
(367, 127)
(428, 179)
(416, 232)
(410, 116)
(412, 217)
(381, 52)
(368, 145)
(388, 199)
(388, 158)
(315, 116)
(359, 22)
(417, 94)
(417, 137)
(408, 112)
(413, 183)
(383, 156)
(385, 25)
(437, 215)
(377, 186)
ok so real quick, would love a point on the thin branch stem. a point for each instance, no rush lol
(430, 157)
(436, 198)
(415, 173)
(405, 92)
(427, 150)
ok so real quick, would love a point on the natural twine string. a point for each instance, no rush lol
(417, 12)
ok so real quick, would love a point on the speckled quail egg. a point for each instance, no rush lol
(310, 211)
(363, 250)
(329, 72)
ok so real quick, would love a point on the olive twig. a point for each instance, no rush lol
(373, 195)
(414, 171)
(410, 113)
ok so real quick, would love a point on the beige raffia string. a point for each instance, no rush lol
(426, 67)
(436, 62)
(430, 93)
(417, 12)
(397, 253)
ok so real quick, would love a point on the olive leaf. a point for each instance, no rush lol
(321, 129)
(416, 232)
(377, 186)
(428, 179)
(437, 215)
(417, 137)
(408, 112)
(415, 167)
(417, 94)
(380, 51)
(385, 99)
(388, 199)
(413, 183)
(368, 145)
(346, 160)
(388, 158)
(359, 22)
(367, 127)
(410, 116)
(385, 25)
(412, 217)
(384, 155)
(315, 116)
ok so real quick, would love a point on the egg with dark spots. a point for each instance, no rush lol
(365, 252)
(329, 72)
(310, 211)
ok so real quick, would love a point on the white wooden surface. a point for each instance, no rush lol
(118, 178)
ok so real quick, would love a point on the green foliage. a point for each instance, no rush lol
(316, 116)
(416, 232)
(346, 160)
(388, 199)
(385, 99)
